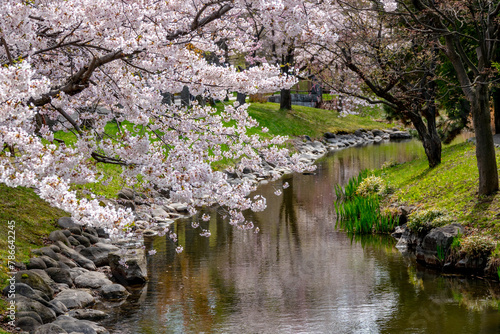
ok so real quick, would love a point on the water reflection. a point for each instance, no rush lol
(300, 275)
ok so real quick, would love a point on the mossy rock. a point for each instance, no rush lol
(34, 280)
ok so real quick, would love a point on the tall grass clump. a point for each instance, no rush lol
(358, 206)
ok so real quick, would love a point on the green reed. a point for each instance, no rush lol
(360, 214)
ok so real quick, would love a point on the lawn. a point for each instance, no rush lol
(452, 186)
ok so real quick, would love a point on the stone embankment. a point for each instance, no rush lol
(57, 290)
(157, 206)
(433, 248)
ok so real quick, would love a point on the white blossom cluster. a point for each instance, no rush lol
(77, 65)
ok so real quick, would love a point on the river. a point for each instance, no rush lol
(299, 274)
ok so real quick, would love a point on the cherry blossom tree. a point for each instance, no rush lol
(468, 33)
(76, 65)
(357, 50)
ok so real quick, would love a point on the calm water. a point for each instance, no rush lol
(300, 275)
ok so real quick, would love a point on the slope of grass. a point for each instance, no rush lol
(34, 219)
(452, 186)
(308, 121)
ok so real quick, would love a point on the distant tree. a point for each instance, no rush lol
(449, 21)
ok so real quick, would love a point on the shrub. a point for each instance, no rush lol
(477, 245)
(426, 220)
(389, 163)
(372, 185)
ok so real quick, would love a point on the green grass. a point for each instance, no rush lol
(309, 121)
(34, 220)
(451, 186)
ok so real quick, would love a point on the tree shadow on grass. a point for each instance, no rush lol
(418, 176)
(480, 210)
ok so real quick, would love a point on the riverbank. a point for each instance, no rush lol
(35, 220)
(447, 193)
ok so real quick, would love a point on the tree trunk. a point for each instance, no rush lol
(286, 94)
(496, 106)
(240, 97)
(429, 136)
(185, 97)
(485, 148)
(286, 99)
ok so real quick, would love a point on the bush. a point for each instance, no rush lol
(477, 245)
(426, 220)
(372, 185)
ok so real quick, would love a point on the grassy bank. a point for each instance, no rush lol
(311, 121)
(34, 220)
(451, 186)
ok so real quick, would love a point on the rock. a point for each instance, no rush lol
(34, 280)
(72, 240)
(378, 133)
(329, 135)
(79, 248)
(82, 240)
(50, 329)
(24, 304)
(126, 193)
(359, 133)
(114, 292)
(75, 272)
(63, 260)
(472, 264)
(101, 233)
(438, 238)
(75, 298)
(25, 290)
(55, 248)
(398, 232)
(408, 239)
(27, 324)
(92, 238)
(71, 325)
(45, 251)
(56, 236)
(43, 274)
(67, 233)
(76, 230)
(92, 279)
(127, 204)
(179, 207)
(136, 270)
(67, 222)
(159, 212)
(149, 233)
(92, 231)
(58, 307)
(49, 262)
(36, 263)
(78, 258)
(397, 135)
(98, 253)
(88, 314)
(30, 314)
(60, 275)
